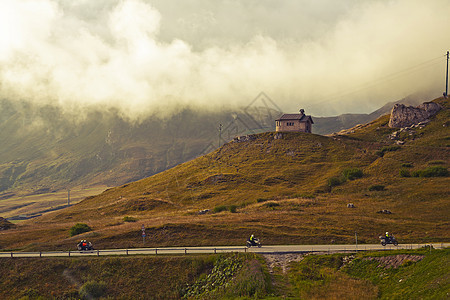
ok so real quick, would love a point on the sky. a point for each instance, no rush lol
(147, 57)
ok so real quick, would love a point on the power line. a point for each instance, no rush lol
(389, 77)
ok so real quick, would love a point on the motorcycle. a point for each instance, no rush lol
(254, 243)
(388, 240)
(85, 246)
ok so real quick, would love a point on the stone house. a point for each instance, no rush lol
(294, 122)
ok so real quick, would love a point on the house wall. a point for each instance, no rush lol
(293, 125)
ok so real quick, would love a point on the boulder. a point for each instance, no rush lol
(405, 116)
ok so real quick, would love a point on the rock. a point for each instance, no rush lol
(384, 211)
(203, 211)
(400, 142)
(350, 205)
(406, 116)
(244, 138)
(277, 136)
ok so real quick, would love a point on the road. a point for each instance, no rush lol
(222, 249)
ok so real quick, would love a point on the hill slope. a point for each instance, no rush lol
(287, 189)
(45, 149)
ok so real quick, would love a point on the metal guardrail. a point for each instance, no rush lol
(204, 250)
(138, 251)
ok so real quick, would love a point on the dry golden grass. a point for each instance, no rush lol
(292, 173)
(29, 204)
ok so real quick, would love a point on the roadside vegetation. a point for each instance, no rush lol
(418, 274)
(397, 274)
(174, 277)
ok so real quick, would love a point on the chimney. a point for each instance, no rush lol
(302, 111)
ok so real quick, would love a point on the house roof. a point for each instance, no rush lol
(299, 117)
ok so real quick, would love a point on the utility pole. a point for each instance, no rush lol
(446, 79)
(68, 197)
(220, 133)
(356, 240)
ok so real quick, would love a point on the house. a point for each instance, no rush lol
(294, 122)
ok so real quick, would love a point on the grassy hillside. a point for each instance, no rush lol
(414, 274)
(130, 277)
(289, 189)
(45, 149)
(397, 275)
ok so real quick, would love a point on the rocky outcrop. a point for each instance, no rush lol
(405, 116)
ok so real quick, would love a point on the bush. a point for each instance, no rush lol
(335, 181)
(220, 208)
(233, 208)
(79, 228)
(259, 200)
(376, 187)
(129, 219)
(407, 165)
(405, 173)
(352, 174)
(92, 289)
(436, 171)
(436, 162)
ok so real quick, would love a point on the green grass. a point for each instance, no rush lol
(164, 277)
(356, 277)
(425, 279)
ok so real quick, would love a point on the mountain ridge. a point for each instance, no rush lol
(293, 189)
(43, 150)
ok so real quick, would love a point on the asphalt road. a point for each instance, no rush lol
(222, 249)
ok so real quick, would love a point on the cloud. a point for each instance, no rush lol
(144, 56)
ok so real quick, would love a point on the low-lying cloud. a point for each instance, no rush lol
(144, 56)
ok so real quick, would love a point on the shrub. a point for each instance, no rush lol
(79, 228)
(220, 208)
(376, 187)
(352, 174)
(405, 173)
(407, 165)
(259, 200)
(233, 208)
(436, 162)
(92, 289)
(435, 171)
(335, 181)
(129, 219)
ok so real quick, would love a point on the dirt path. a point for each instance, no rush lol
(281, 260)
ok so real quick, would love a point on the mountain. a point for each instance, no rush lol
(327, 125)
(45, 149)
(288, 188)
